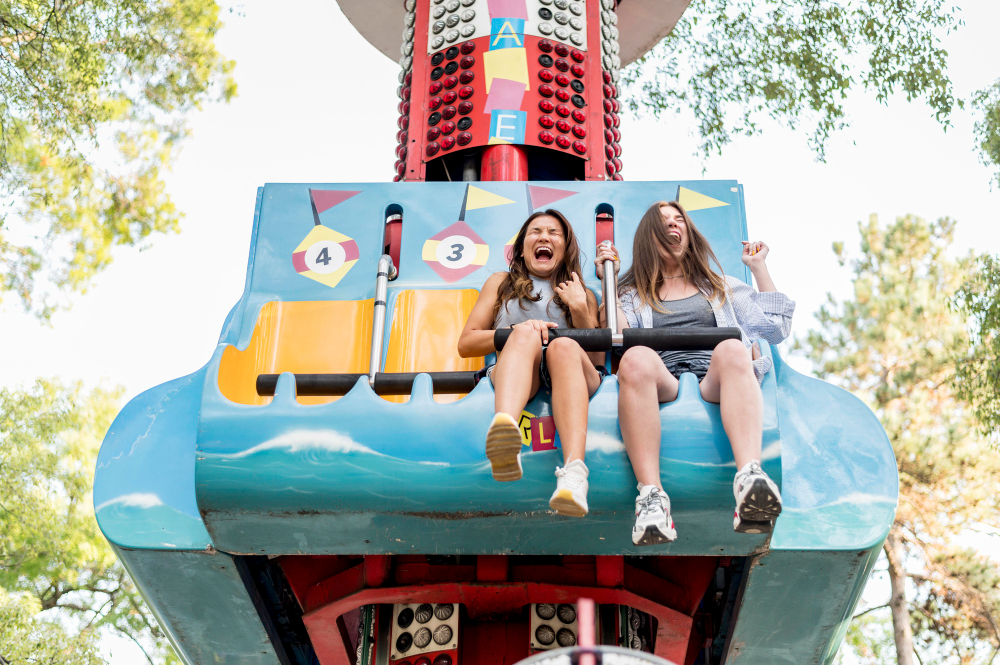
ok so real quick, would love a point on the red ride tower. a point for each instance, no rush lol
(512, 89)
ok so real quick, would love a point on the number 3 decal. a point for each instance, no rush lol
(455, 252)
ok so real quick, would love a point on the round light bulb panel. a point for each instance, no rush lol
(565, 20)
(553, 626)
(426, 628)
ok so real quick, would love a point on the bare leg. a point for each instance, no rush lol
(730, 383)
(574, 380)
(515, 378)
(643, 384)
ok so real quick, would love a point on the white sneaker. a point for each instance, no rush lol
(570, 497)
(653, 524)
(503, 448)
(758, 501)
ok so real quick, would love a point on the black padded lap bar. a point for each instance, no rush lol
(678, 339)
(658, 339)
(599, 339)
(310, 385)
(317, 385)
(401, 383)
(589, 339)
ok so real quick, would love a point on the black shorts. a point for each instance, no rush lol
(679, 367)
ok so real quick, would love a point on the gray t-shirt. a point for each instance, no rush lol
(519, 311)
(693, 311)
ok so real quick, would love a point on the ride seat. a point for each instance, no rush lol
(426, 324)
(311, 337)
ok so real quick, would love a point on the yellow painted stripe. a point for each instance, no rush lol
(430, 250)
(482, 254)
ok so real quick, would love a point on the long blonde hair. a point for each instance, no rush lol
(517, 285)
(648, 264)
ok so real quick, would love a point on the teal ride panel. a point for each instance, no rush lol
(362, 475)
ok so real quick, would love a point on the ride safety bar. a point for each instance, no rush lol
(386, 271)
(610, 286)
(396, 383)
(598, 339)
(658, 339)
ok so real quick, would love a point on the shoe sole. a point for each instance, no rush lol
(760, 504)
(562, 502)
(503, 449)
(748, 526)
(653, 536)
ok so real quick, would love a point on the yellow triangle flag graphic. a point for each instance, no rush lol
(480, 198)
(691, 200)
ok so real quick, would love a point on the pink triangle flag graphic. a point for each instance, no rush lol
(543, 196)
(324, 199)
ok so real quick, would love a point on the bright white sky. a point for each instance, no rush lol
(317, 104)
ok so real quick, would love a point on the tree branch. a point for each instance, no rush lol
(870, 609)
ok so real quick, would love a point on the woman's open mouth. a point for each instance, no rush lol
(543, 254)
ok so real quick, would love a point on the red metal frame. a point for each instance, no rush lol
(503, 162)
(594, 168)
(415, 139)
(327, 587)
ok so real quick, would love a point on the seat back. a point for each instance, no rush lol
(423, 337)
(312, 337)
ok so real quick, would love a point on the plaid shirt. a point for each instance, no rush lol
(766, 316)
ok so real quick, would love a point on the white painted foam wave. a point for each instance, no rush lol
(136, 500)
(303, 440)
(605, 443)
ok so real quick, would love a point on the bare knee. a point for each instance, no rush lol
(562, 350)
(638, 366)
(524, 338)
(732, 357)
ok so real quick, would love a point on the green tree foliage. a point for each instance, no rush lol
(735, 63)
(870, 639)
(978, 374)
(93, 97)
(53, 558)
(894, 344)
(987, 129)
(26, 640)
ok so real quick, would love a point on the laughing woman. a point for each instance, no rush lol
(542, 290)
(671, 284)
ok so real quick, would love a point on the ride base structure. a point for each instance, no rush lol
(275, 523)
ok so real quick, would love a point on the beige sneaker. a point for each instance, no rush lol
(570, 497)
(503, 448)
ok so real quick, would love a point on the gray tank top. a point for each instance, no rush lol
(544, 309)
(693, 311)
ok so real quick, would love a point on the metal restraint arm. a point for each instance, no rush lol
(386, 271)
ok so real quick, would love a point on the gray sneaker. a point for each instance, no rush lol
(758, 501)
(653, 524)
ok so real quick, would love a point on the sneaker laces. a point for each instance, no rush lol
(752, 469)
(570, 479)
(646, 504)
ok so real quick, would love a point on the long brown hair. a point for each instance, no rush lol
(648, 264)
(518, 285)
